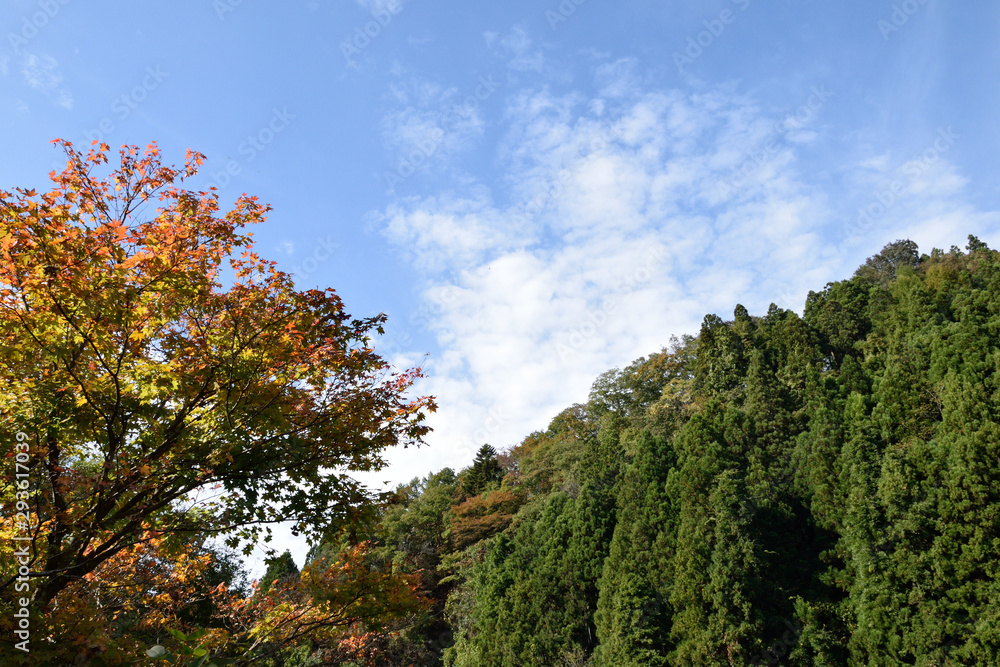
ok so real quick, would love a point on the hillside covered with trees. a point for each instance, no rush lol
(816, 490)
(777, 489)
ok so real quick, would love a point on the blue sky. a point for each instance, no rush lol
(535, 192)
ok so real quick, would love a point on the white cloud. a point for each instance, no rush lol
(524, 58)
(432, 124)
(441, 234)
(3, 65)
(613, 238)
(520, 49)
(623, 219)
(922, 197)
(618, 78)
(42, 74)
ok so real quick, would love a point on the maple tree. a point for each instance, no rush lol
(133, 599)
(158, 400)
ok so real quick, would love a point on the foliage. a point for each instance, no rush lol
(882, 268)
(140, 379)
(190, 653)
(158, 402)
(483, 516)
(280, 570)
(485, 470)
(818, 490)
(337, 605)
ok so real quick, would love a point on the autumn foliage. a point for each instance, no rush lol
(484, 515)
(341, 605)
(172, 383)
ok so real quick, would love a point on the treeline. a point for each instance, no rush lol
(815, 490)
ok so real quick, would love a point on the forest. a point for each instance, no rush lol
(816, 490)
(775, 489)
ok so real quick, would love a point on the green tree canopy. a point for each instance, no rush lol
(280, 569)
(485, 470)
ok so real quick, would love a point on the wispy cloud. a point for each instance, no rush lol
(921, 195)
(41, 73)
(520, 50)
(524, 57)
(431, 124)
(631, 243)
(617, 225)
(428, 112)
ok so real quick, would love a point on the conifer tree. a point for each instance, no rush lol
(280, 569)
(633, 612)
(484, 471)
(824, 491)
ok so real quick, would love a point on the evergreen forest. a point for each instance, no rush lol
(815, 490)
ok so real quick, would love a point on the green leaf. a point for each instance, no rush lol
(158, 653)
